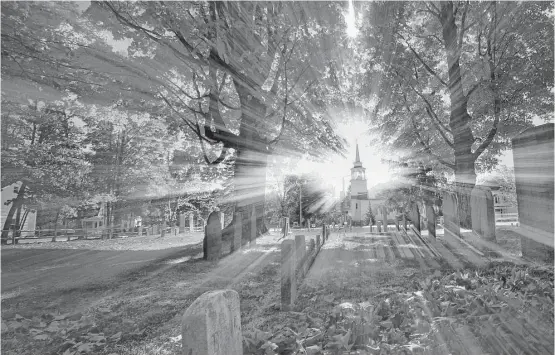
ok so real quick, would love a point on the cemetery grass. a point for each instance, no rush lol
(140, 311)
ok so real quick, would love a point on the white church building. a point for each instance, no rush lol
(360, 198)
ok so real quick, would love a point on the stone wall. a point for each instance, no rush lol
(533, 161)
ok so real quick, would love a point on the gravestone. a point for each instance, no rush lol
(384, 219)
(482, 212)
(253, 226)
(451, 213)
(182, 223)
(431, 216)
(222, 219)
(285, 226)
(191, 223)
(237, 232)
(533, 161)
(288, 282)
(213, 237)
(300, 245)
(415, 216)
(212, 324)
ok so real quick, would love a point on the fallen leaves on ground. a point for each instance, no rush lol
(77, 331)
(500, 309)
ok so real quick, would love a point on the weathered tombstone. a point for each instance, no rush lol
(253, 226)
(451, 213)
(312, 245)
(300, 246)
(415, 216)
(212, 324)
(191, 223)
(384, 219)
(222, 219)
(181, 223)
(285, 226)
(213, 237)
(237, 232)
(431, 216)
(482, 212)
(533, 161)
(288, 282)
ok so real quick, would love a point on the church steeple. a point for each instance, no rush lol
(357, 161)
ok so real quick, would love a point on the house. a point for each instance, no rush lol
(28, 215)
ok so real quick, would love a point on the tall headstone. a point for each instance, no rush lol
(288, 281)
(300, 246)
(213, 237)
(253, 226)
(222, 219)
(482, 212)
(533, 161)
(415, 216)
(237, 232)
(384, 218)
(191, 223)
(181, 223)
(431, 216)
(285, 229)
(451, 213)
(212, 324)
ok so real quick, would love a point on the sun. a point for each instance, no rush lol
(350, 19)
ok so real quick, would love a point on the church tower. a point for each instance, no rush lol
(359, 186)
(359, 193)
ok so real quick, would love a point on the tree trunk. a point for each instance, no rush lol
(459, 122)
(16, 204)
(250, 165)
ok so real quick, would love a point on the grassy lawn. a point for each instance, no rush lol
(139, 312)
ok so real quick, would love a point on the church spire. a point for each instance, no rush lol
(358, 157)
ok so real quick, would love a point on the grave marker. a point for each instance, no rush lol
(237, 232)
(212, 324)
(451, 213)
(213, 237)
(431, 216)
(288, 282)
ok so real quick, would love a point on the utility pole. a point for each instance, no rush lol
(300, 205)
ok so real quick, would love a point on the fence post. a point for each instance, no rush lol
(288, 281)
(300, 245)
(431, 215)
